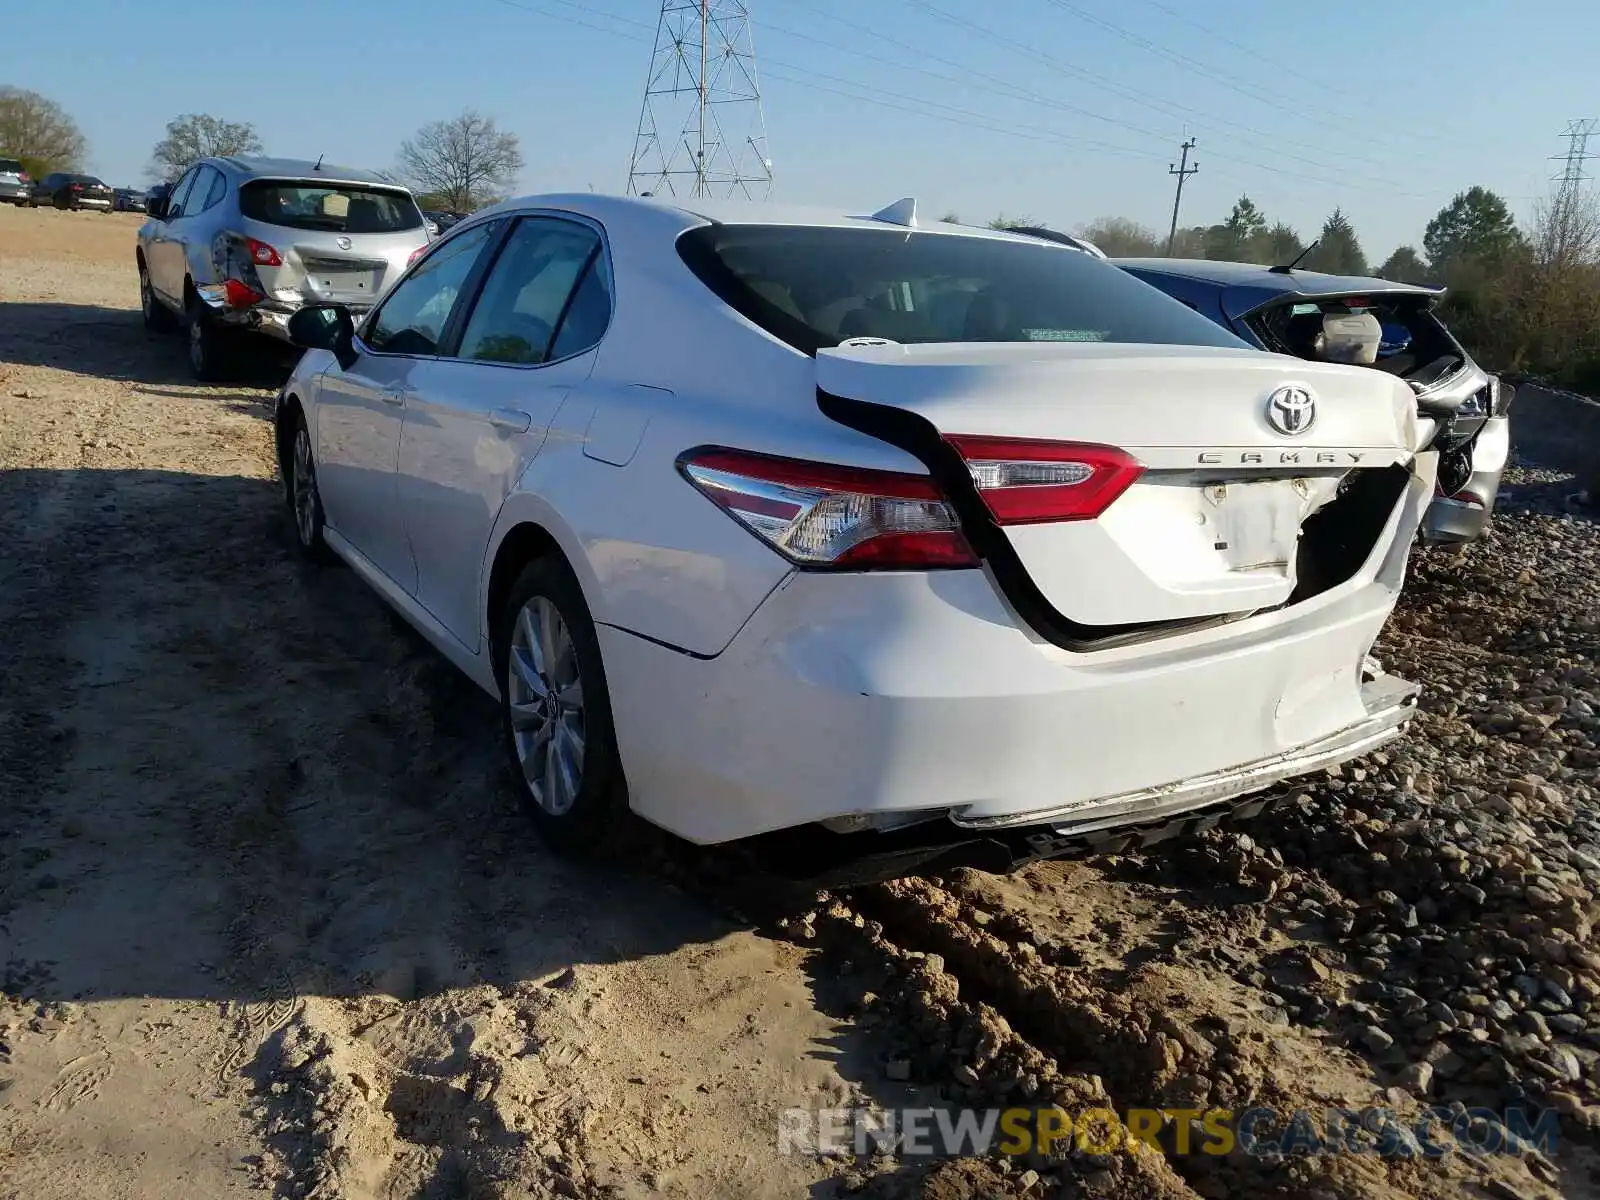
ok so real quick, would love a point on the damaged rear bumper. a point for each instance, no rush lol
(269, 316)
(907, 713)
(1389, 701)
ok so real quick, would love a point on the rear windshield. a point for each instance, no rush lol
(11, 166)
(816, 287)
(1412, 343)
(332, 208)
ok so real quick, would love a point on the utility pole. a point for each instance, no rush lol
(1182, 170)
(701, 126)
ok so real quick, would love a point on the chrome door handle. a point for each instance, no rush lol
(512, 420)
(393, 395)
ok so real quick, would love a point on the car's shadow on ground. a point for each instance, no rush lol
(230, 777)
(224, 754)
(112, 343)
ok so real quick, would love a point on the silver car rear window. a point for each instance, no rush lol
(329, 208)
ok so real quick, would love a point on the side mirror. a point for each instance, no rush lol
(157, 208)
(325, 327)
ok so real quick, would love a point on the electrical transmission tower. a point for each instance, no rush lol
(1573, 176)
(701, 132)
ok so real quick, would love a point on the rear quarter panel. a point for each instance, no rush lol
(677, 369)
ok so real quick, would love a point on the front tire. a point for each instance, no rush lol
(157, 317)
(209, 351)
(556, 714)
(301, 496)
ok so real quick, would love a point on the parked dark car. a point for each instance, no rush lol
(441, 220)
(14, 182)
(1306, 313)
(128, 200)
(64, 189)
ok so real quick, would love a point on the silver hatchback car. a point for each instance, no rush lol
(241, 244)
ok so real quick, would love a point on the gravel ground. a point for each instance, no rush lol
(269, 919)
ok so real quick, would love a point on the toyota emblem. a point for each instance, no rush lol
(343, 243)
(1291, 410)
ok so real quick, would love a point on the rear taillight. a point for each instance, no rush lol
(416, 254)
(262, 254)
(1025, 481)
(24, 177)
(75, 187)
(818, 515)
(240, 295)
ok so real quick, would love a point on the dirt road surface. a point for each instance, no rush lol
(270, 920)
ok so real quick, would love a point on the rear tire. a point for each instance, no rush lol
(209, 347)
(555, 713)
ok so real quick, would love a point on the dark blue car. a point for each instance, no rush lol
(1284, 311)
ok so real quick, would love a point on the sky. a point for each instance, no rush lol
(1056, 110)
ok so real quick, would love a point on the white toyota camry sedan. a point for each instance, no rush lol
(891, 541)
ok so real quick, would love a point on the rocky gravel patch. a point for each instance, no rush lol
(1415, 929)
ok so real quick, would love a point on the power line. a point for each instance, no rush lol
(936, 110)
(1057, 64)
(1007, 89)
(1274, 99)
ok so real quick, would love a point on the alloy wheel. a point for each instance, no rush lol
(146, 299)
(545, 694)
(305, 489)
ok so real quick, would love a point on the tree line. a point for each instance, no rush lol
(455, 165)
(1523, 296)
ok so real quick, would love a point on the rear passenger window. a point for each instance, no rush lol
(589, 313)
(541, 300)
(219, 189)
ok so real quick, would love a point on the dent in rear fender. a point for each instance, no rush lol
(919, 437)
(653, 555)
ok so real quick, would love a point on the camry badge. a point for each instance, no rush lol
(1291, 410)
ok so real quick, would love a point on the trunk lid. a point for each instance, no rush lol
(317, 267)
(1211, 526)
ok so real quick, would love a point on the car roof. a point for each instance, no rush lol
(687, 212)
(1264, 279)
(260, 167)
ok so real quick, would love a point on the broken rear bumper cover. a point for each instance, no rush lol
(899, 706)
(268, 316)
(1390, 703)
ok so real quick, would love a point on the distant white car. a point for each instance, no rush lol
(906, 541)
